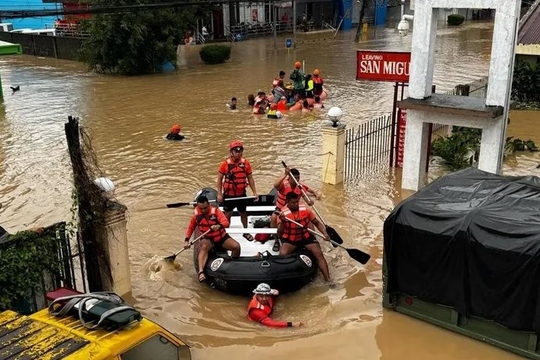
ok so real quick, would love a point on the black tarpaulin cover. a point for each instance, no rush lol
(470, 240)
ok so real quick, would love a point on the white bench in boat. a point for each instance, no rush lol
(251, 230)
(268, 208)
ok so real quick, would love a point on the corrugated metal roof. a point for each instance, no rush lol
(529, 27)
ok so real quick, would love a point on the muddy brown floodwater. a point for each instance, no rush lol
(129, 117)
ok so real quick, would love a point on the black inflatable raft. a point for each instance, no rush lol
(241, 275)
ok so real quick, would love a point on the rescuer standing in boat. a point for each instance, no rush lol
(233, 179)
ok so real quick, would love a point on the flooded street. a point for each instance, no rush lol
(128, 119)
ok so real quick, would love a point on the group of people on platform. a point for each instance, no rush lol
(303, 93)
(234, 177)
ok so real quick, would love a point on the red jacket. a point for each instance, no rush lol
(235, 175)
(204, 222)
(261, 313)
(293, 232)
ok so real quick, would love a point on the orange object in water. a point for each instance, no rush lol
(175, 129)
(282, 105)
(298, 65)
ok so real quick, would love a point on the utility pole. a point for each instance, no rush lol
(363, 4)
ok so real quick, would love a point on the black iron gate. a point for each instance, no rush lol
(367, 147)
(69, 272)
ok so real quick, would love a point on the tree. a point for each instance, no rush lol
(136, 42)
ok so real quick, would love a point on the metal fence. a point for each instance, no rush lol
(367, 147)
(69, 272)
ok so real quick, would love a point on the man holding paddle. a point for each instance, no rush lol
(210, 220)
(293, 230)
(285, 185)
(233, 178)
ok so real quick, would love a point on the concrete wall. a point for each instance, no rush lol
(48, 46)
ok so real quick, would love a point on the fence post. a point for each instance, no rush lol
(114, 234)
(333, 146)
(463, 90)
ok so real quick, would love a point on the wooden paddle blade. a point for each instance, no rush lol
(180, 204)
(334, 235)
(358, 255)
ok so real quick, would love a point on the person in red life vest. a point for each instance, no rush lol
(285, 185)
(234, 176)
(175, 133)
(261, 305)
(279, 80)
(317, 82)
(205, 218)
(294, 237)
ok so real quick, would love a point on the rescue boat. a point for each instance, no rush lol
(241, 275)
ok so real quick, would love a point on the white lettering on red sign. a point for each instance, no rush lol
(388, 67)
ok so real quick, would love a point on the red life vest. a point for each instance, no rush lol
(276, 82)
(283, 196)
(318, 85)
(236, 182)
(293, 232)
(204, 223)
(255, 304)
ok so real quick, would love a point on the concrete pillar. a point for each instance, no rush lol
(114, 235)
(502, 53)
(415, 155)
(333, 147)
(423, 52)
(491, 146)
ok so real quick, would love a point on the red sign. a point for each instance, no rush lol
(402, 124)
(383, 65)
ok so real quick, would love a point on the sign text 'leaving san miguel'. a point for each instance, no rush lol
(383, 65)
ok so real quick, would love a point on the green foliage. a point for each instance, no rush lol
(134, 43)
(23, 260)
(462, 148)
(215, 54)
(455, 19)
(512, 145)
(527, 105)
(458, 150)
(526, 84)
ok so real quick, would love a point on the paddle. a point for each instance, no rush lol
(330, 230)
(240, 198)
(356, 254)
(180, 204)
(172, 257)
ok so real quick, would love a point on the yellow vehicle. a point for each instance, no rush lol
(87, 327)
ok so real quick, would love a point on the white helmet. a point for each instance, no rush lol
(265, 289)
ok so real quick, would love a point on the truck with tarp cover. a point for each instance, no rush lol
(464, 253)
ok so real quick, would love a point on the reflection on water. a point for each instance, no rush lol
(128, 119)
